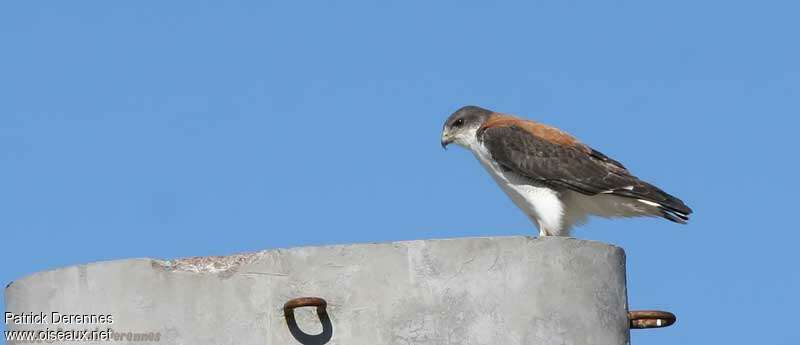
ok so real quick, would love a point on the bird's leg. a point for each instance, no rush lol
(542, 230)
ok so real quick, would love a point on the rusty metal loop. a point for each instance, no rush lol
(291, 304)
(651, 319)
(322, 313)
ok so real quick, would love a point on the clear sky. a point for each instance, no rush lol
(181, 128)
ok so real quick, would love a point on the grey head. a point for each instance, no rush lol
(463, 123)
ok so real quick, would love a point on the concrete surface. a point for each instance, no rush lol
(506, 290)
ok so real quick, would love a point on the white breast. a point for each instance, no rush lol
(543, 205)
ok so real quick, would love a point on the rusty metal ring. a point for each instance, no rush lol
(651, 319)
(297, 333)
(291, 304)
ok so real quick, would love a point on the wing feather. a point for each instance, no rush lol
(576, 167)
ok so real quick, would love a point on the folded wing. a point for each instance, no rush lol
(563, 162)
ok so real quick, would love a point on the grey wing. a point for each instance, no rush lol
(578, 168)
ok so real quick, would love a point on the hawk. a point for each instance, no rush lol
(554, 178)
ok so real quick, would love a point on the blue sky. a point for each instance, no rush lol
(181, 128)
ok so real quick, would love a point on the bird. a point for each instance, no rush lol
(556, 180)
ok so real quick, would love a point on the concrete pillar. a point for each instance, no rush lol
(503, 290)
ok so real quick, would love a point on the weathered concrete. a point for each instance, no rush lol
(509, 290)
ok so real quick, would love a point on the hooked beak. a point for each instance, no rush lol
(446, 140)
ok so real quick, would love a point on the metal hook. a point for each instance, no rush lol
(651, 319)
(291, 304)
(322, 313)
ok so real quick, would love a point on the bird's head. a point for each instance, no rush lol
(461, 126)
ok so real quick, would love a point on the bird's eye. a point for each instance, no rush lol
(458, 123)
